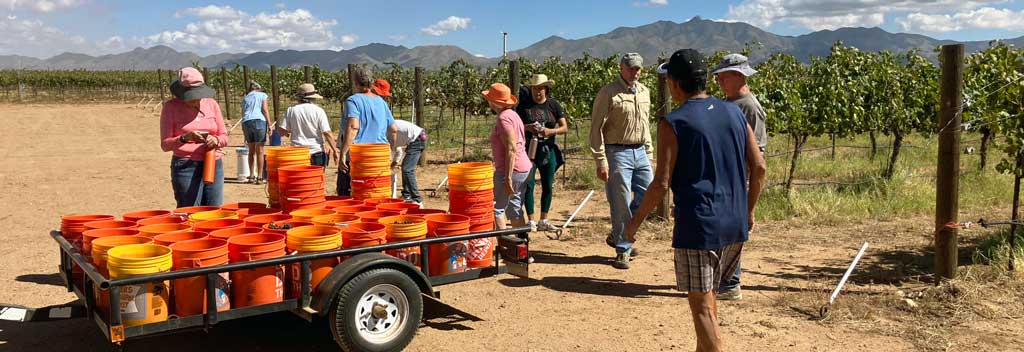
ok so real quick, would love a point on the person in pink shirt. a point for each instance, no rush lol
(190, 124)
(511, 165)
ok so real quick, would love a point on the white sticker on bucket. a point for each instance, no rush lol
(133, 302)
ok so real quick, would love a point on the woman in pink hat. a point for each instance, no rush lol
(190, 124)
(511, 165)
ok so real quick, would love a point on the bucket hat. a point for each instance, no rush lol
(382, 88)
(735, 62)
(307, 91)
(500, 94)
(191, 86)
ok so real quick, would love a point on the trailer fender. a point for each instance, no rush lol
(324, 296)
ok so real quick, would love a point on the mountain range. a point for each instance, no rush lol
(651, 41)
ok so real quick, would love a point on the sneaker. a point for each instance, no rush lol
(733, 294)
(544, 225)
(621, 261)
(533, 225)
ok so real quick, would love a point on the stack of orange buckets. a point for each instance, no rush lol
(301, 187)
(279, 157)
(471, 193)
(371, 171)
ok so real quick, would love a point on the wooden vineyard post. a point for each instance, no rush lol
(273, 91)
(513, 77)
(664, 102)
(351, 80)
(947, 179)
(417, 106)
(227, 92)
(160, 83)
(306, 74)
(465, 110)
(245, 79)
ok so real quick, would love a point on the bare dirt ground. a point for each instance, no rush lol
(63, 159)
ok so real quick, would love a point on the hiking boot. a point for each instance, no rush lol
(544, 225)
(533, 226)
(732, 294)
(621, 261)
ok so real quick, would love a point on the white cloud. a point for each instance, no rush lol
(480, 55)
(831, 14)
(222, 28)
(445, 26)
(40, 5)
(983, 18)
(280, 6)
(651, 3)
(35, 38)
(211, 12)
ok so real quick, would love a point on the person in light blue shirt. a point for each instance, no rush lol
(256, 129)
(367, 120)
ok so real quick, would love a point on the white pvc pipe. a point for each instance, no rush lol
(444, 181)
(580, 207)
(849, 270)
(394, 185)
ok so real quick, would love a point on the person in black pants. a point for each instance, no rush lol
(544, 119)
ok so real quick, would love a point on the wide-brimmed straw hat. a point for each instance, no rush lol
(540, 80)
(500, 94)
(307, 91)
(191, 86)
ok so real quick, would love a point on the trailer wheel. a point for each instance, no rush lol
(376, 311)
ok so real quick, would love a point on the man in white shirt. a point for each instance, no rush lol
(307, 125)
(407, 146)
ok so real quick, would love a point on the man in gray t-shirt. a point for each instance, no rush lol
(731, 74)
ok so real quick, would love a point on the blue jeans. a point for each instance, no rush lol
(187, 182)
(509, 203)
(410, 190)
(732, 282)
(629, 174)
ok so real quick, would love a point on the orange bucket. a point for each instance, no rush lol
(166, 219)
(195, 209)
(227, 233)
(450, 257)
(260, 220)
(399, 207)
(307, 215)
(309, 239)
(190, 292)
(91, 235)
(435, 221)
(422, 212)
(100, 247)
(405, 228)
(331, 204)
(280, 226)
(353, 209)
(333, 198)
(159, 229)
(375, 215)
(378, 201)
(259, 285)
(213, 225)
(243, 205)
(170, 238)
(111, 224)
(335, 220)
(247, 212)
(135, 216)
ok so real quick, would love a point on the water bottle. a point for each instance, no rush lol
(532, 153)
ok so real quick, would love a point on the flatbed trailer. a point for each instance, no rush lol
(372, 301)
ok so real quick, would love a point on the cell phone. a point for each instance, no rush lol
(204, 133)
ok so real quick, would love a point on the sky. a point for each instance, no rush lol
(44, 28)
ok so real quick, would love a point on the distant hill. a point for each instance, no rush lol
(651, 41)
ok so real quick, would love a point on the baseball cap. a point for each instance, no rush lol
(735, 62)
(684, 64)
(632, 60)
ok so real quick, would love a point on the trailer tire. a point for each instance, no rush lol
(377, 311)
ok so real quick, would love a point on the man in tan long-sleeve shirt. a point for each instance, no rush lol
(620, 138)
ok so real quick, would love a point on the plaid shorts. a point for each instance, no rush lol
(700, 270)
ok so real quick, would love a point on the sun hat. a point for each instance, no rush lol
(735, 62)
(632, 60)
(254, 85)
(540, 80)
(684, 64)
(307, 91)
(191, 86)
(382, 88)
(500, 94)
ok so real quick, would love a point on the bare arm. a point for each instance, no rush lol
(756, 170)
(668, 151)
(508, 138)
(350, 137)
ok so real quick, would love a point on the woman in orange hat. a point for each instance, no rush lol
(511, 165)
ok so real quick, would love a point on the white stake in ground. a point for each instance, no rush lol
(835, 293)
(394, 185)
(558, 234)
(438, 189)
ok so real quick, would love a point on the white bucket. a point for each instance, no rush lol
(243, 163)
